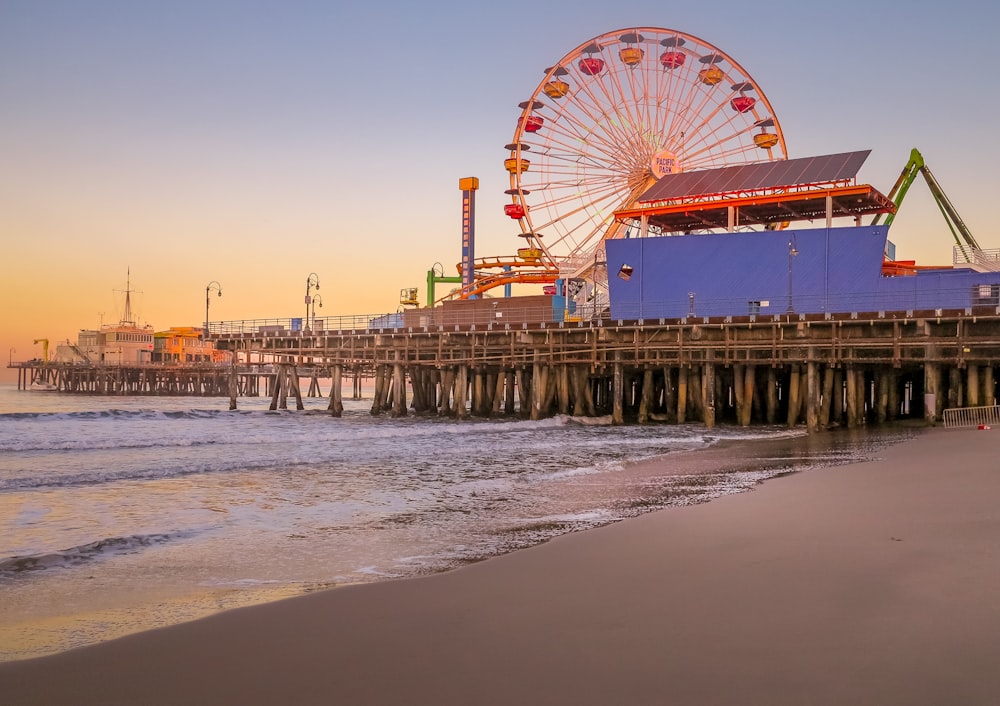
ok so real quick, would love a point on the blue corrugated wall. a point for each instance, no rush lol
(723, 274)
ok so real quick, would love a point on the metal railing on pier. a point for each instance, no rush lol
(971, 416)
(419, 318)
(977, 258)
(291, 326)
(978, 300)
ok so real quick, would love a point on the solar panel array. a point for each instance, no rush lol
(753, 177)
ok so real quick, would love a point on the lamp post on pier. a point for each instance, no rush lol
(316, 299)
(208, 290)
(312, 282)
(792, 253)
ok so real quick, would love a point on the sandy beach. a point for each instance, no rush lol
(871, 583)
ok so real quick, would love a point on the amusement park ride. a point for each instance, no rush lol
(606, 123)
(967, 246)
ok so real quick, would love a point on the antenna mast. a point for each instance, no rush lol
(127, 313)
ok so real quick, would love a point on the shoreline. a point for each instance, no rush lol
(871, 582)
(679, 478)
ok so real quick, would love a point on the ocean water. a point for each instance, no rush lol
(119, 514)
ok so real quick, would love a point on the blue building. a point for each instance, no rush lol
(807, 271)
(670, 273)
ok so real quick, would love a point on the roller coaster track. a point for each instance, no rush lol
(511, 271)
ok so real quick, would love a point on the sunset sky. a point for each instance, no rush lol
(252, 142)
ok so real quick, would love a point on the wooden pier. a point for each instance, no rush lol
(818, 370)
(206, 380)
(163, 379)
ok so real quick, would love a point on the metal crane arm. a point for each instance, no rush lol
(45, 348)
(916, 165)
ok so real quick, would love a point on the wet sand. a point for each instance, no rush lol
(871, 583)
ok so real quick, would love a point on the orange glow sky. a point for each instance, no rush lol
(252, 143)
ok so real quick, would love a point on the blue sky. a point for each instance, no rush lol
(255, 142)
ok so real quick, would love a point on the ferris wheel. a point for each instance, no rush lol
(614, 115)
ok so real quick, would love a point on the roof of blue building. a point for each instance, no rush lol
(825, 169)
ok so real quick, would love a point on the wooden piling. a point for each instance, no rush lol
(794, 395)
(882, 385)
(499, 385)
(293, 377)
(510, 392)
(839, 397)
(749, 387)
(447, 391)
(578, 380)
(284, 385)
(739, 391)
(892, 410)
(523, 392)
(972, 385)
(955, 397)
(618, 394)
(551, 389)
(682, 394)
(336, 406)
(645, 396)
(708, 395)
(419, 389)
(381, 382)
(564, 393)
(853, 394)
(670, 385)
(233, 387)
(398, 387)
(476, 391)
(696, 401)
(932, 391)
(461, 409)
(828, 403)
(314, 385)
(812, 396)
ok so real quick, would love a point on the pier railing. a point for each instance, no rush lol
(438, 316)
(971, 416)
(691, 307)
(290, 326)
(977, 258)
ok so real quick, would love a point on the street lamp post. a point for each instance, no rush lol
(315, 299)
(208, 290)
(792, 253)
(312, 282)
